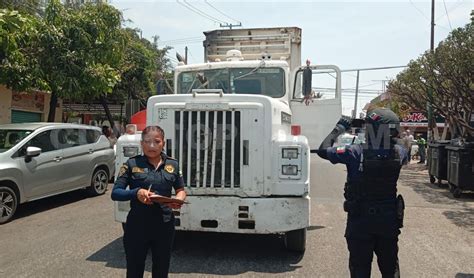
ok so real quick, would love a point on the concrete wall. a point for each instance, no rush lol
(7, 104)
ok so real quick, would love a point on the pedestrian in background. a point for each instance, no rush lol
(410, 141)
(108, 132)
(149, 225)
(374, 211)
(421, 142)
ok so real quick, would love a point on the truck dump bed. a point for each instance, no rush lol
(277, 42)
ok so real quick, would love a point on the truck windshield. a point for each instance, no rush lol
(10, 137)
(257, 81)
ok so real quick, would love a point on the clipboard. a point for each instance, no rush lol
(166, 200)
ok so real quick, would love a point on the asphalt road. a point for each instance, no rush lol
(75, 236)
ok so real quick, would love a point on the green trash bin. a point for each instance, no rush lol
(437, 161)
(460, 169)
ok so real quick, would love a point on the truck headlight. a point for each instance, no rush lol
(130, 151)
(289, 170)
(290, 153)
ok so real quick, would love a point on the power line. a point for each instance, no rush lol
(452, 9)
(184, 42)
(182, 39)
(447, 15)
(423, 14)
(199, 12)
(231, 18)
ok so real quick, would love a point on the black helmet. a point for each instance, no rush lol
(383, 117)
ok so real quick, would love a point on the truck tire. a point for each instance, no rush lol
(457, 192)
(99, 182)
(432, 179)
(8, 204)
(296, 240)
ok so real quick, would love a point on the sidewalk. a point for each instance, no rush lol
(437, 239)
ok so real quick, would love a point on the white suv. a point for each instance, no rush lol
(38, 160)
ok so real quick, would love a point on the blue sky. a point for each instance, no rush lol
(349, 34)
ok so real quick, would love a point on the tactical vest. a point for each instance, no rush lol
(378, 180)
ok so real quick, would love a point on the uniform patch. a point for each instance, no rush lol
(169, 168)
(340, 149)
(138, 170)
(123, 170)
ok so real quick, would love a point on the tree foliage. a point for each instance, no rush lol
(447, 73)
(17, 34)
(77, 52)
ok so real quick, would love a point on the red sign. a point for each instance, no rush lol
(415, 117)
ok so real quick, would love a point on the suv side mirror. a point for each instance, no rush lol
(32, 152)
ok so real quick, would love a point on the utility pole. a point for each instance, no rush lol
(354, 112)
(430, 93)
(230, 25)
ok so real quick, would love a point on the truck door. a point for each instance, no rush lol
(318, 116)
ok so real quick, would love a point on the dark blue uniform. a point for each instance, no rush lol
(148, 226)
(374, 221)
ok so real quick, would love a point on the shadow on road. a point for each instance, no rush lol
(231, 254)
(462, 214)
(112, 255)
(46, 204)
(464, 275)
(215, 254)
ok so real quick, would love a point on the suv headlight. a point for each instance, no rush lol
(130, 151)
(289, 170)
(290, 153)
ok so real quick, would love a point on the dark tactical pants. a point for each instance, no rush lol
(361, 253)
(373, 229)
(139, 237)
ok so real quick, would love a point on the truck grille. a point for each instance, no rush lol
(208, 148)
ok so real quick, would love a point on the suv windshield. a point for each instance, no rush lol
(258, 81)
(10, 137)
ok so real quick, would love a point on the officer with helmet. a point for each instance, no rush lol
(375, 212)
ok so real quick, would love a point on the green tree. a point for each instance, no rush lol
(447, 73)
(79, 52)
(23, 6)
(144, 64)
(18, 32)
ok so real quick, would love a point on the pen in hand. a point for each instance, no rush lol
(148, 193)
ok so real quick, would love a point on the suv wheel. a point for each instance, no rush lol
(99, 182)
(8, 204)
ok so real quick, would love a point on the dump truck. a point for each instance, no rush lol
(242, 127)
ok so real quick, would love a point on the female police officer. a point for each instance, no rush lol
(149, 225)
(375, 213)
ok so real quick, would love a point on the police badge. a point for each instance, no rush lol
(123, 170)
(169, 168)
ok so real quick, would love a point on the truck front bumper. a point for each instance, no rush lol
(243, 215)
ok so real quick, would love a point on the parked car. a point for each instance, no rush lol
(38, 160)
(347, 139)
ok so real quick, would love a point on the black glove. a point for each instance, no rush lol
(345, 122)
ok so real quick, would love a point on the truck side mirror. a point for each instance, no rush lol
(307, 81)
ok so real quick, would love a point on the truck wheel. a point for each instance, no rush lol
(457, 192)
(296, 240)
(440, 183)
(451, 187)
(99, 182)
(432, 179)
(8, 204)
